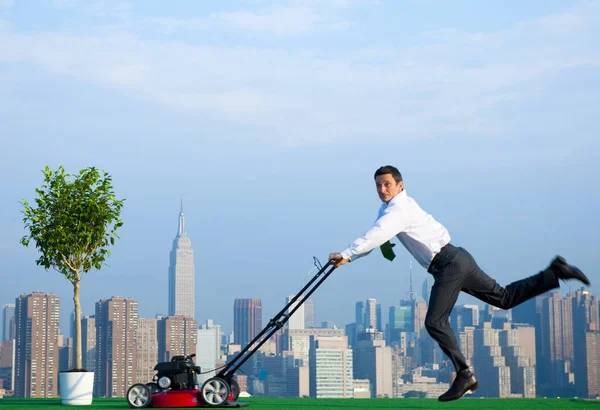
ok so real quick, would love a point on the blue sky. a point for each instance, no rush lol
(270, 119)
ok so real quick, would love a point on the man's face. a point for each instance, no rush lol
(387, 188)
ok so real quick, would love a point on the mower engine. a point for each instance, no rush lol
(179, 374)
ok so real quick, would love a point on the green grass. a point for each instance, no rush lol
(321, 404)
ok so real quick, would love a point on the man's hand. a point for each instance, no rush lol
(337, 260)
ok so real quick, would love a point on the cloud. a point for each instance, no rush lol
(457, 83)
(284, 21)
(6, 3)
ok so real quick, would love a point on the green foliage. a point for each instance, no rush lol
(415, 394)
(75, 221)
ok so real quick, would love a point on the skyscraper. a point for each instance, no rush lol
(359, 313)
(426, 288)
(490, 364)
(8, 322)
(88, 342)
(147, 349)
(592, 341)
(371, 314)
(522, 372)
(309, 314)
(557, 344)
(330, 368)
(116, 354)
(419, 311)
(208, 348)
(181, 273)
(372, 360)
(296, 321)
(37, 328)
(585, 320)
(177, 336)
(247, 320)
(465, 315)
(7, 364)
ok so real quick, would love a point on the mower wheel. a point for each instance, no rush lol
(234, 388)
(215, 392)
(153, 386)
(139, 396)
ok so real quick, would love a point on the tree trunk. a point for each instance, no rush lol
(78, 362)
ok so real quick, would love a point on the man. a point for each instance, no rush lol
(453, 269)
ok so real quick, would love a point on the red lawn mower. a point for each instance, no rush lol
(176, 382)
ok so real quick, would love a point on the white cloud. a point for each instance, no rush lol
(6, 3)
(457, 83)
(288, 21)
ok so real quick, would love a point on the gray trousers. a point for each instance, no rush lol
(454, 269)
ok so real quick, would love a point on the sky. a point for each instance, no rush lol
(270, 118)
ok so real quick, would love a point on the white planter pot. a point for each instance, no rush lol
(76, 388)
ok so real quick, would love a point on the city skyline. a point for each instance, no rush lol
(271, 117)
(509, 356)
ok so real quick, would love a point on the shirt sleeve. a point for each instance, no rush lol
(391, 222)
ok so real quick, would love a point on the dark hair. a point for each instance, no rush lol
(388, 169)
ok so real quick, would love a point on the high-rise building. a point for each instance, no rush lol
(7, 364)
(296, 321)
(359, 313)
(530, 312)
(372, 360)
(8, 322)
(378, 315)
(522, 373)
(330, 368)
(88, 342)
(592, 347)
(247, 320)
(585, 319)
(116, 351)
(526, 335)
(208, 348)
(371, 314)
(426, 288)
(309, 314)
(557, 345)
(147, 349)
(465, 315)
(177, 336)
(489, 363)
(181, 273)
(36, 338)
(400, 319)
(467, 343)
(65, 353)
(419, 312)
(297, 341)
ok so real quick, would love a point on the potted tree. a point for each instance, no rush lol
(73, 226)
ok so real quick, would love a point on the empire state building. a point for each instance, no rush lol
(181, 273)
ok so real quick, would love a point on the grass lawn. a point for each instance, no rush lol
(320, 404)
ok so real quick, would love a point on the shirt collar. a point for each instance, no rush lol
(400, 197)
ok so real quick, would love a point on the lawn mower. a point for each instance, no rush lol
(176, 383)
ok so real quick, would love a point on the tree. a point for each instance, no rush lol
(75, 222)
(415, 394)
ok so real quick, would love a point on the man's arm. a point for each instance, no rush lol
(388, 225)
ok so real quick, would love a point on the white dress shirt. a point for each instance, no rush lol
(402, 217)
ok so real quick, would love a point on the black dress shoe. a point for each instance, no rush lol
(564, 271)
(464, 381)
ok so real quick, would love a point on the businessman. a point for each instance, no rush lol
(452, 267)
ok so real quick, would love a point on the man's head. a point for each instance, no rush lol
(388, 181)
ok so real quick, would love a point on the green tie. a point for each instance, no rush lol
(387, 251)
